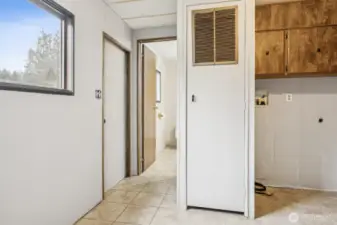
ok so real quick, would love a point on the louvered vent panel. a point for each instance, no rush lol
(203, 37)
(225, 38)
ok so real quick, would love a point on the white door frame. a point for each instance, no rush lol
(249, 104)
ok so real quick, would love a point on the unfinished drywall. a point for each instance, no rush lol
(293, 149)
(51, 145)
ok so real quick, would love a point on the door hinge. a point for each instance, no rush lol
(142, 159)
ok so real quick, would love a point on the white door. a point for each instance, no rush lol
(215, 127)
(114, 96)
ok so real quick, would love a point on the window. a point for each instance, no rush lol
(158, 87)
(36, 47)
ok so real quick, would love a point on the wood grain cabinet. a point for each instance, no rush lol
(301, 14)
(312, 50)
(296, 39)
(327, 49)
(302, 51)
(270, 54)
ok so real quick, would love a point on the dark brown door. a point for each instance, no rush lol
(149, 125)
(269, 54)
(302, 57)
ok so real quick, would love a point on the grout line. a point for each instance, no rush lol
(120, 214)
(154, 215)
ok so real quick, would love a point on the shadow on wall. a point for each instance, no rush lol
(323, 85)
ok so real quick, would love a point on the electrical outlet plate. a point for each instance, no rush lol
(289, 97)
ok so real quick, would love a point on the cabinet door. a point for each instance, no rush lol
(302, 52)
(326, 49)
(269, 55)
(262, 17)
(271, 17)
(318, 12)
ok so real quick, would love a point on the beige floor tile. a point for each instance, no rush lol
(166, 216)
(130, 187)
(107, 212)
(135, 180)
(156, 187)
(117, 223)
(172, 190)
(119, 196)
(92, 222)
(148, 199)
(137, 215)
(169, 201)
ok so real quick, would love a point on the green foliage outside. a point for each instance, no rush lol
(43, 64)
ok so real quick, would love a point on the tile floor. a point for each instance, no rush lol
(150, 199)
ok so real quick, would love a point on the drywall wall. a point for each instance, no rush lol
(50, 148)
(148, 33)
(292, 148)
(161, 122)
(170, 103)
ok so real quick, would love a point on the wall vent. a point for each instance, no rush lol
(215, 36)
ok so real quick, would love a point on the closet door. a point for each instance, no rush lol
(302, 52)
(326, 45)
(269, 56)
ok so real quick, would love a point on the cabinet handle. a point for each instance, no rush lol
(318, 50)
(267, 52)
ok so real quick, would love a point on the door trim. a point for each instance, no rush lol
(140, 97)
(106, 37)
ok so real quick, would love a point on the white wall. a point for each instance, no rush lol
(160, 123)
(170, 102)
(165, 127)
(50, 148)
(169, 31)
(292, 148)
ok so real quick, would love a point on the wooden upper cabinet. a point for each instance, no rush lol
(312, 50)
(326, 49)
(302, 52)
(270, 17)
(269, 53)
(301, 14)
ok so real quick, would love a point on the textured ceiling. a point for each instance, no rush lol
(155, 13)
(145, 13)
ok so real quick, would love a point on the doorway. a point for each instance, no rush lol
(115, 96)
(157, 100)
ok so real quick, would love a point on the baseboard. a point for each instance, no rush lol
(295, 187)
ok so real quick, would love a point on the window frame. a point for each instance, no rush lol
(67, 21)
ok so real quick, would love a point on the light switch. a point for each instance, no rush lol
(289, 97)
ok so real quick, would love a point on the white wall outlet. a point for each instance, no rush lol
(289, 97)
